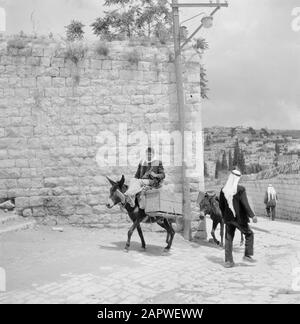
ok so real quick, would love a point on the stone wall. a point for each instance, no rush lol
(54, 108)
(287, 188)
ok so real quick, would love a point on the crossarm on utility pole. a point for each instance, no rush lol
(207, 5)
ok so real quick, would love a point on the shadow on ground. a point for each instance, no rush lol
(221, 261)
(197, 244)
(151, 250)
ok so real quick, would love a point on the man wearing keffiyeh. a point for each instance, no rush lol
(236, 212)
(270, 201)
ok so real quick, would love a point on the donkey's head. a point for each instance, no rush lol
(208, 204)
(115, 192)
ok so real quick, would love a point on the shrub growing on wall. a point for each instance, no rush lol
(203, 82)
(201, 45)
(102, 49)
(74, 31)
(75, 52)
(133, 57)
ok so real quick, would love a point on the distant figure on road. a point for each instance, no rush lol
(236, 212)
(270, 201)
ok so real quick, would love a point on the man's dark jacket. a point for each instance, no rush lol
(241, 206)
(145, 168)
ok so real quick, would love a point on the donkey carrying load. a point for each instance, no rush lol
(209, 205)
(137, 215)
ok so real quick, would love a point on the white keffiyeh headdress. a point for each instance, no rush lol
(230, 188)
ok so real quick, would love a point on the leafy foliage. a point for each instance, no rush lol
(238, 158)
(102, 49)
(201, 44)
(203, 82)
(134, 18)
(133, 57)
(75, 52)
(74, 31)
(230, 161)
(206, 175)
(218, 169)
(224, 162)
(16, 43)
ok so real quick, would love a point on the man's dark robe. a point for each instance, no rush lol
(145, 168)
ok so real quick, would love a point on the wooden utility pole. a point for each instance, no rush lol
(186, 197)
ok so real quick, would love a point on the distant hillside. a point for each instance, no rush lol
(294, 133)
(288, 132)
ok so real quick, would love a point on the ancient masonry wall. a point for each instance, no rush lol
(287, 188)
(55, 102)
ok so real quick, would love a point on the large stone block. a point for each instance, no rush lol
(43, 82)
(22, 202)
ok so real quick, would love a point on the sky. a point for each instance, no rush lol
(253, 61)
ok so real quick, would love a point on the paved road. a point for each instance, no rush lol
(83, 265)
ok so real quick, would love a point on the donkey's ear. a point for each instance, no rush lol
(121, 182)
(201, 195)
(110, 181)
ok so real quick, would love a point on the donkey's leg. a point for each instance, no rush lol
(130, 232)
(164, 227)
(139, 229)
(171, 233)
(222, 232)
(214, 226)
(168, 238)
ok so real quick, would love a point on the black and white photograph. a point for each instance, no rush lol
(150, 155)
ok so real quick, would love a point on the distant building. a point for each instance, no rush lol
(211, 168)
(294, 146)
(258, 146)
(287, 158)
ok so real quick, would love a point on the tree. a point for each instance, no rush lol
(252, 131)
(218, 169)
(232, 131)
(224, 162)
(135, 18)
(277, 148)
(207, 140)
(239, 158)
(205, 170)
(241, 162)
(264, 132)
(236, 153)
(230, 161)
(74, 31)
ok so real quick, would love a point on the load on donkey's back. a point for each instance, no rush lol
(142, 202)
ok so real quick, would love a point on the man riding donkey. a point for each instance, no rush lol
(150, 174)
(236, 212)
